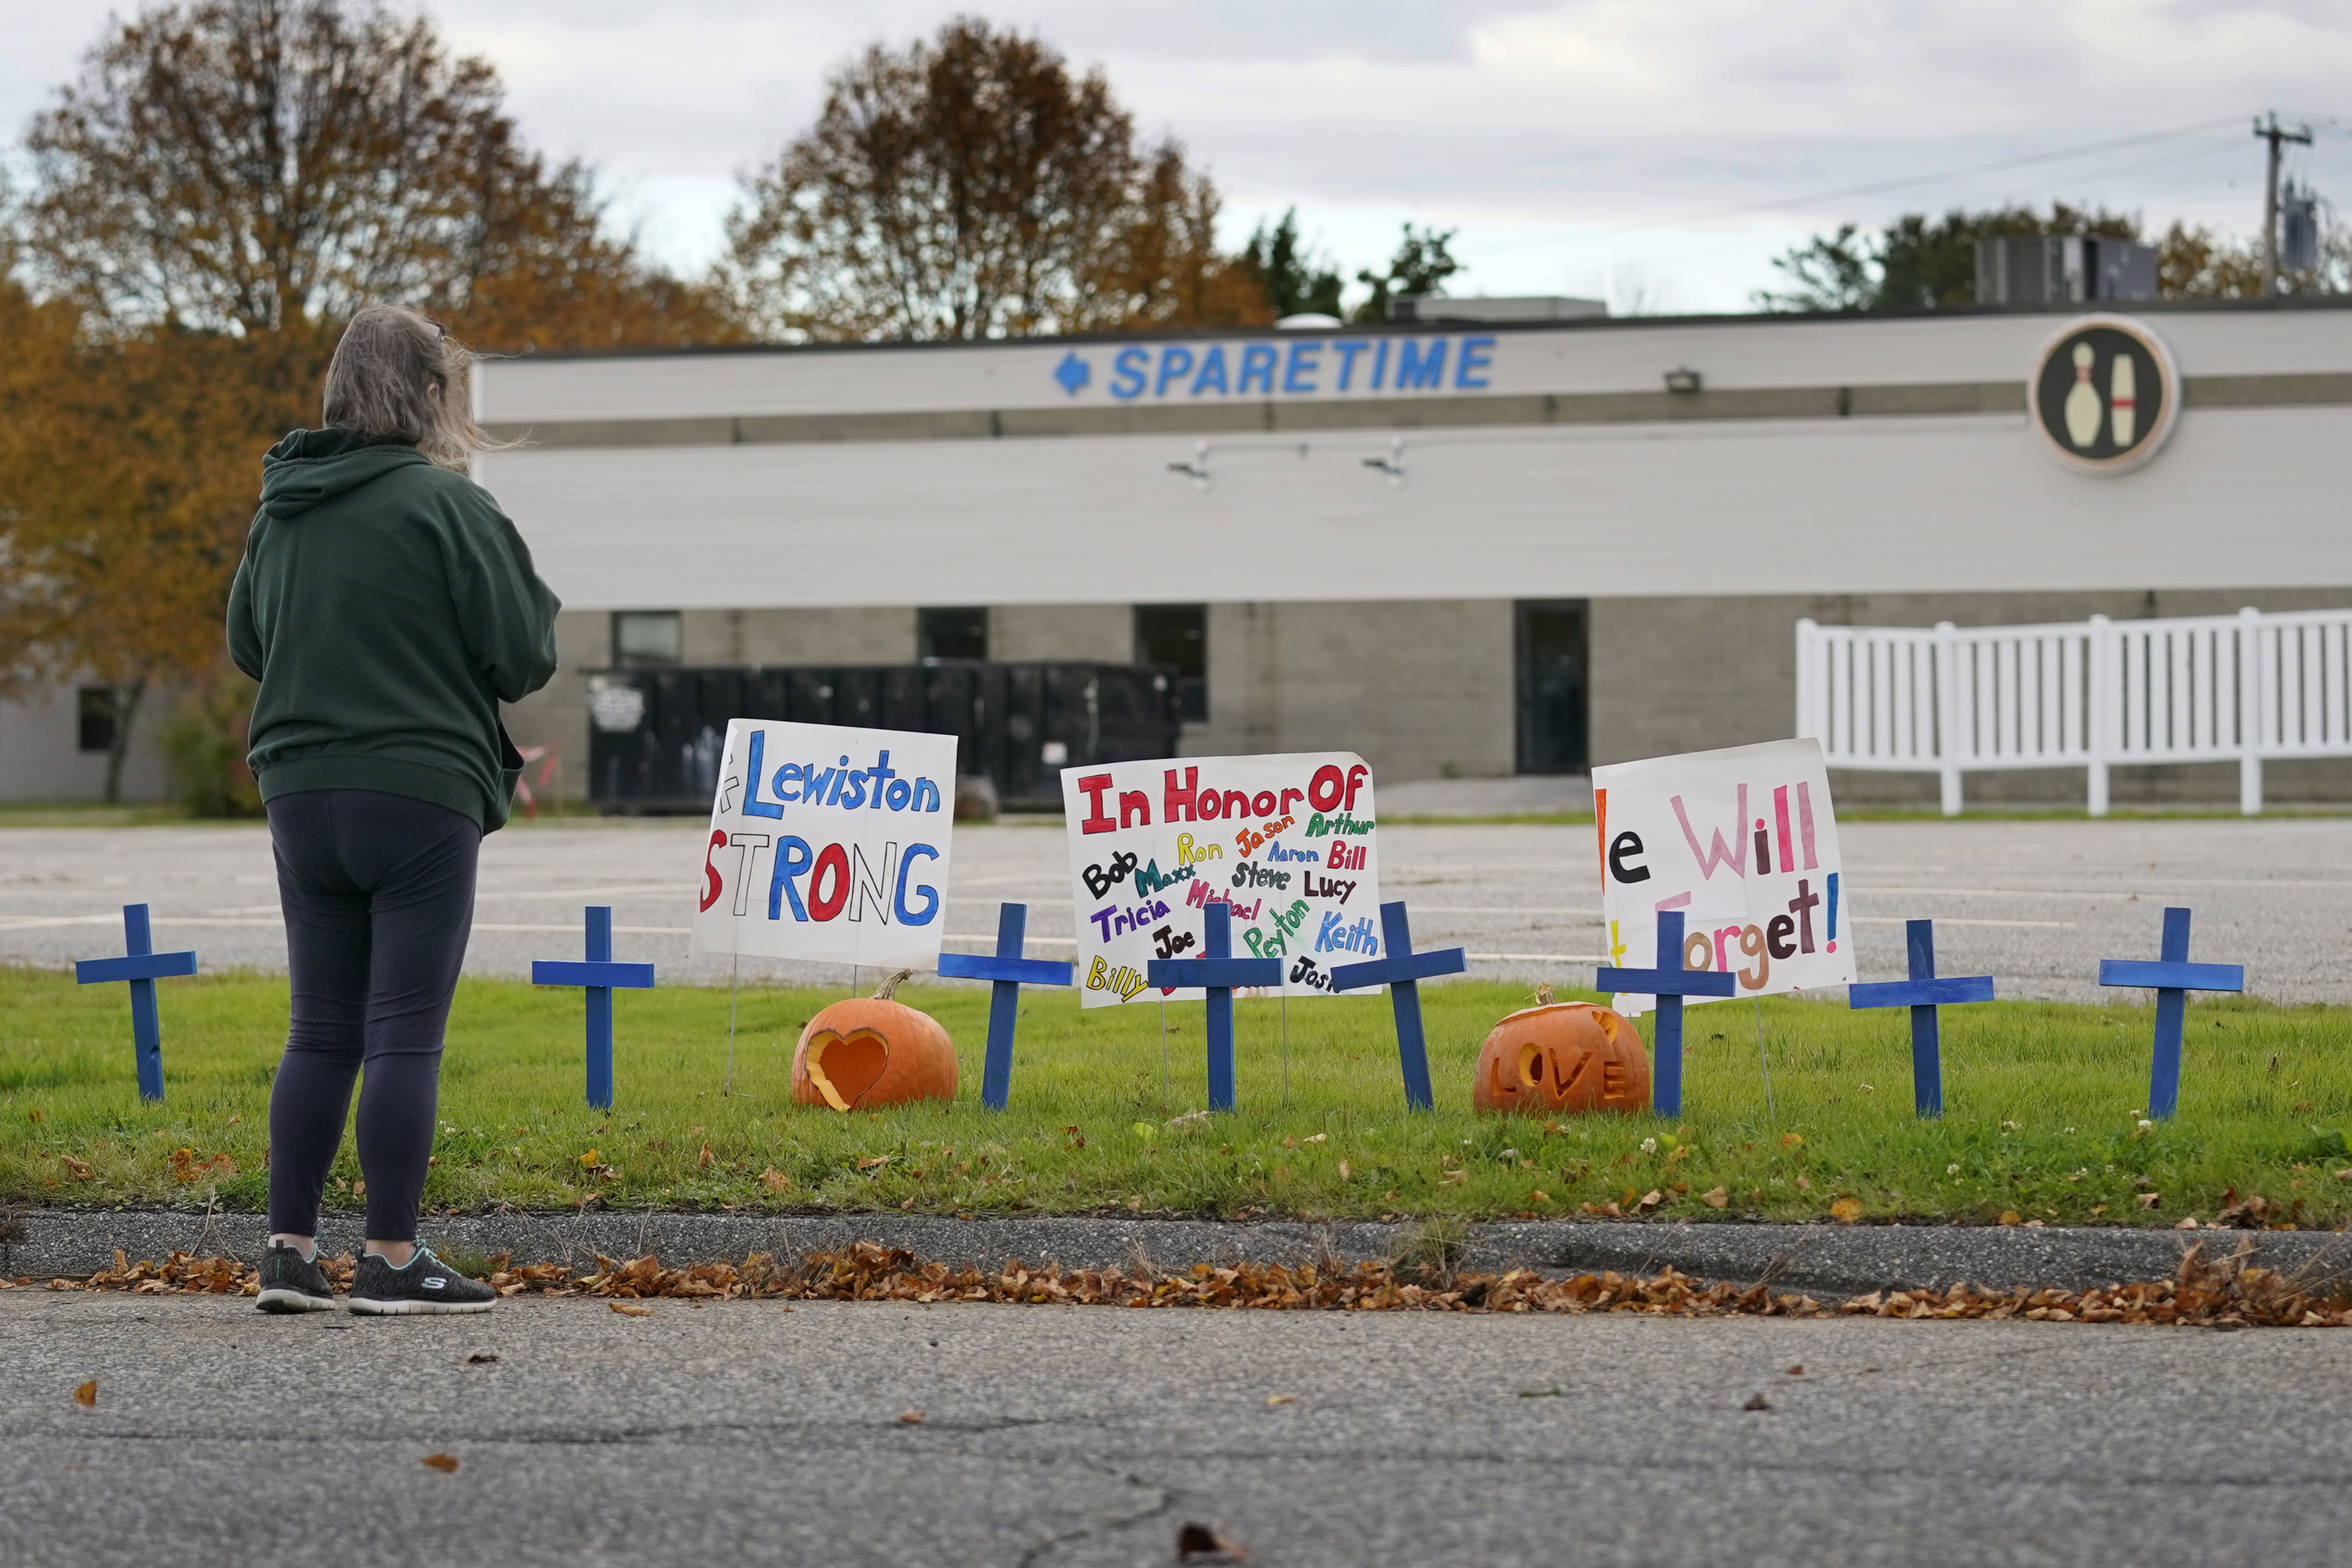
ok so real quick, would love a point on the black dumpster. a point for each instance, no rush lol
(656, 735)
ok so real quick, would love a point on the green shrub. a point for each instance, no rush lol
(204, 745)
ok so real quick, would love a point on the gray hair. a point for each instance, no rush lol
(397, 376)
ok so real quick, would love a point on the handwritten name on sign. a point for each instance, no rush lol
(1286, 843)
(828, 844)
(1741, 841)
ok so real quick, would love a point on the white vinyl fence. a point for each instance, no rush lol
(2244, 688)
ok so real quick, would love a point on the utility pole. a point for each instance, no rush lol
(2274, 136)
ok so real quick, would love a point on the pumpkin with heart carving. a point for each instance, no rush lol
(873, 1050)
(1562, 1057)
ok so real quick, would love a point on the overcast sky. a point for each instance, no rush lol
(1658, 154)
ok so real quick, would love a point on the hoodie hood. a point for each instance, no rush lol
(311, 466)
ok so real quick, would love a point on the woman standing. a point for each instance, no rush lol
(387, 607)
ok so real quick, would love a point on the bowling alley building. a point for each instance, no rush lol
(1497, 538)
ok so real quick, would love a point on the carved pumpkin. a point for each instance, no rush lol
(1564, 1056)
(873, 1050)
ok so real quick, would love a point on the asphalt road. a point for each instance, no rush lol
(1064, 1435)
(2034, 904)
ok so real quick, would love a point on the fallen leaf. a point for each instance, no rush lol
(1343, 1171)
(1282, 1399)
(631, 1309)
(1757, 1402)
(1798, 1370)
(2150, 1199)
(1537, 1195)
(1200, 1540)
(774, 1180)
(1650, 1199)
(1314, 1139)
(75, 1168)
(910, 1417)
(2188, 1224)
(481, 1358)
(1719, 1199)
(871, 1162)
(2011, 1216)
(446, 1463)
(1804, 1183)
(1792, 1140)
(1538, 1393)
(706, 1156)
(592, 1157)
(87, 1395)
(1845, 1211)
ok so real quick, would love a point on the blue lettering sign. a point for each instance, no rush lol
(1126, 372)
(1290, 367)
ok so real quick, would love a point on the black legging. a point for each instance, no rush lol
(378, 892)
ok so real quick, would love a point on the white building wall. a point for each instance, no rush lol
(41, 760)
(1942, 504)
(1614, 357)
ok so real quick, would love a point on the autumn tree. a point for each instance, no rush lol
(969, 186)
(270, 165)
(223, 184)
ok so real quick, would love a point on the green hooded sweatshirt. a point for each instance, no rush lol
(386, 606)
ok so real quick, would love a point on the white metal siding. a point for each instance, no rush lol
(1929, 504)
(1631, 357)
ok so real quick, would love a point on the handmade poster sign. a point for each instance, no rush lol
(828, 844)
(1743, 843)
(1286, 842)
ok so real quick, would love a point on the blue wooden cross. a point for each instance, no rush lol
(1922, 993)
(2174, 976)
(1218, 972)
(143, 966)
(1010, 971)
(599, 975)
(1401, 971)
(1669, 986)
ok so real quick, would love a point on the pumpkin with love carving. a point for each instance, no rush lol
(1562, 1057)
(873, 1050)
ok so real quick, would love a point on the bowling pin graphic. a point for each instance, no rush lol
(2122, 401)
(2083, 409)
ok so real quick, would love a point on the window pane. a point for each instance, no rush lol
(648, 637)
(96, 707)
(956, 633)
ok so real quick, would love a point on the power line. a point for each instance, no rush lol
(1880, 187)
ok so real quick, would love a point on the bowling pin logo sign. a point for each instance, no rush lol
(2105, 394)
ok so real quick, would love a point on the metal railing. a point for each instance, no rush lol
(2095, 694)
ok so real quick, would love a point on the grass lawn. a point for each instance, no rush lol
(2041, 1101)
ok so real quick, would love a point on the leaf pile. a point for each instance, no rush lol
(2217, 1292)
(2227, 1293)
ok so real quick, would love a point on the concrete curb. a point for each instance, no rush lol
(1817, 1260)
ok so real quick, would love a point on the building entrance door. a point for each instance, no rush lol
(1552, 685)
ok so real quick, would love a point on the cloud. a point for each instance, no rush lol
(1578, 139)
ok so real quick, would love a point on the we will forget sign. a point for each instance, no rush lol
(1286, 842)
(828, 844)
(1743, 842)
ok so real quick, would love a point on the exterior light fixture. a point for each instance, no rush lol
(1392, 465)
(1198, 468)
(1682, 379)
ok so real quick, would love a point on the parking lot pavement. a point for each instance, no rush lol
(2034, 904)
(1054, 1435)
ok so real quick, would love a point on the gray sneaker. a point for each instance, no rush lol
(423, 1284)
(293, 1283)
